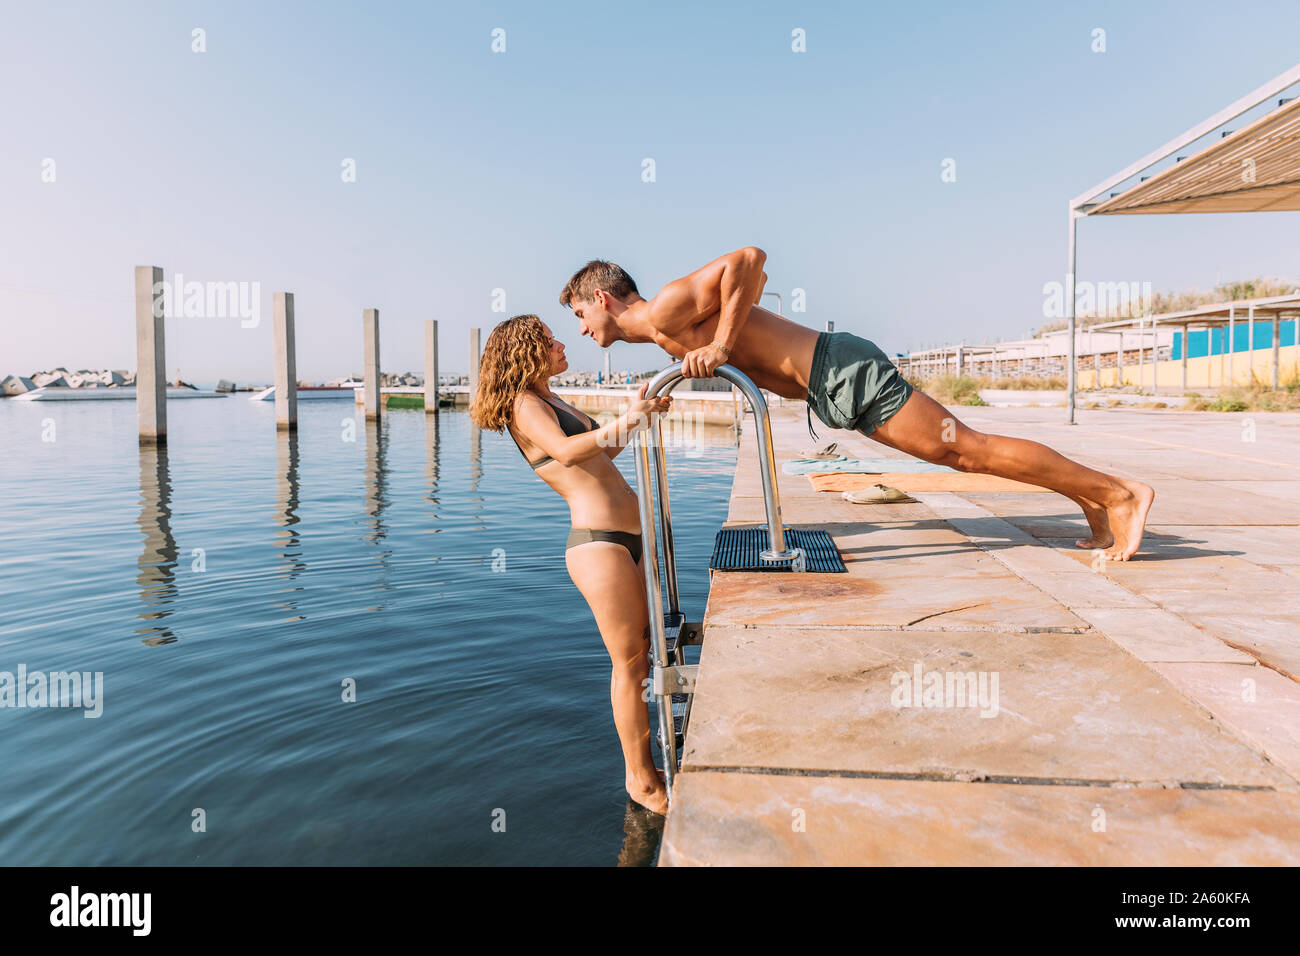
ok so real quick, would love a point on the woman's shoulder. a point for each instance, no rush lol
(528, 400)
(524, 399)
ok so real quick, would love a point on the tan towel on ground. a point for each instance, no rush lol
(932, 481)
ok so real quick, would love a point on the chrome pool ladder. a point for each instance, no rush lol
(672, 679)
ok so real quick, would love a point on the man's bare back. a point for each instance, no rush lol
(773, 351)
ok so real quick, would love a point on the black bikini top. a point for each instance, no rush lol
(569, 423)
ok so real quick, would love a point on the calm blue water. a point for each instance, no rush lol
(228, 586)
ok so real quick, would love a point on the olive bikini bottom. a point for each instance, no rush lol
(628, 540)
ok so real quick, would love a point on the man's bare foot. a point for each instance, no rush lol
(1098, 523)
(1129, 518)
(651, 794)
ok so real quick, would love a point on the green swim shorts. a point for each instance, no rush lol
(853, 385)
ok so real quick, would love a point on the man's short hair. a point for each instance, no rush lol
(598, 274)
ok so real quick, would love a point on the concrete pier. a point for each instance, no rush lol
(431, 367)
(151, 356)
(370, 333)
(1145, 712)
(286, 364)
(475, 354)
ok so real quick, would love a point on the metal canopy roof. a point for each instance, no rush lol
(1256, 169)
(1253, 169)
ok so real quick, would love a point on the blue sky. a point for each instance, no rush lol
(479, 171)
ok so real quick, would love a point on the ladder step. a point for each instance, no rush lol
(681, 704)
(673, 622)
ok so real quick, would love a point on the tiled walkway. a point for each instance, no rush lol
(1137, 713)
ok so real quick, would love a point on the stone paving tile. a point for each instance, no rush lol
(1287, 490)
(742, 819)
(1256, 544)
(1063, 527)
(1021, 552)
(1207, 469)
(966, 589)
(1260, 705)
(1068, 707)
(824, 509)
(1181, 501)
(1156, 635)
(1166, 568)
(1007, 505)
(1077, 591)
(1196, 601)
(1178, 502)
(1166, 545)
(1270, 636)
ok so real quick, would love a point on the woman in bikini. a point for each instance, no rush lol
(574, 455)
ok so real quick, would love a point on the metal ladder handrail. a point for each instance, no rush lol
(649, 459)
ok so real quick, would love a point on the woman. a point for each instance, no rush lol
(574, 455)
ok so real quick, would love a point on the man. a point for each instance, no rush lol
(712, 317)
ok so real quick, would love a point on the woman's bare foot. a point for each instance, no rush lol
(1098, 523)
(651, 794)
(1129, 518)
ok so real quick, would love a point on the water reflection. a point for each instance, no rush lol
(288, 541)
(378, 499)
(642, 831)
(431, 456)
(157, 563)
(476, 470)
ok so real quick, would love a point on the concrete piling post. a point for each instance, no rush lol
(431, 367)
(474, 354)
(374, 387)
(286, 364)
(151, 356)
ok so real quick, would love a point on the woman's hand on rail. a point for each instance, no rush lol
(641, 409)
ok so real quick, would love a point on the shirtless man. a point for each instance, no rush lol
(712, 317)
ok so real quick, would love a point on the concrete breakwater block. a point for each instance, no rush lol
(16, 385)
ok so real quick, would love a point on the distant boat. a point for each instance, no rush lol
(310, 393)
(104, 394)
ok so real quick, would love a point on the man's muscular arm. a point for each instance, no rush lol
(728, 286)
(742, 281)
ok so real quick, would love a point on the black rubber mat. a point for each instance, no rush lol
(738, 549)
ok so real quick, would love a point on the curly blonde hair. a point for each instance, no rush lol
(515, 357)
